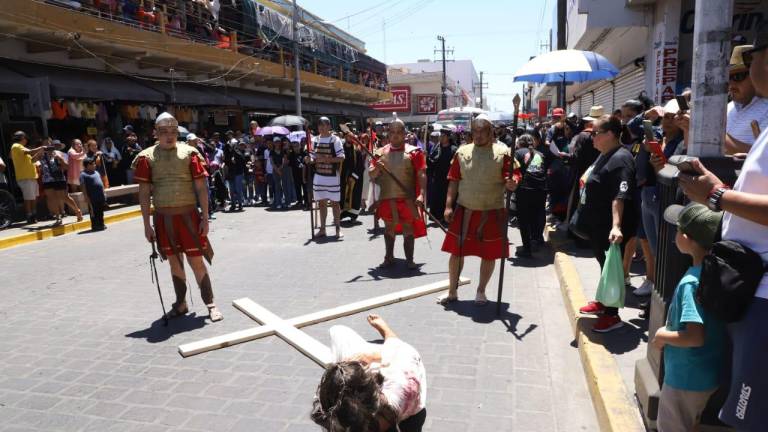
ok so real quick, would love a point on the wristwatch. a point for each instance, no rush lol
(716, 196)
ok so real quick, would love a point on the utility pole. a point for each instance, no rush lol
(296, 60)
(481, 86)
(384, 38)
(444, 98)
(712, 24)
(562, 13)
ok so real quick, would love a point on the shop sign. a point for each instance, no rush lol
(400, 102)
(427, 104)
(666, 71)
(91, 131)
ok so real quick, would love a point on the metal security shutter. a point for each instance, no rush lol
(604, 97)
(629, 85)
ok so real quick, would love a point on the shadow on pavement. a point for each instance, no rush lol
(157, 332)
(619, 341)
(487, 314)
(397, 270)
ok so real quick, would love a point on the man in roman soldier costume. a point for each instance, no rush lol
(479, 173)
(174, 175)
(402, 191)
(327, 156)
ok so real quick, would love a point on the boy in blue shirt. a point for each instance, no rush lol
(692, 340)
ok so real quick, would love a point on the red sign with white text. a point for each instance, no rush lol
(427, 104)
(400, 102)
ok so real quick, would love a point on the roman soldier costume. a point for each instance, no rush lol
(405, 167)
(396, 205)
(172, 172)
(479, 219)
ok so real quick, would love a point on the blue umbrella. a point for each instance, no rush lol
(566, 66)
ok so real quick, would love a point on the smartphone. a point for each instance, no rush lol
(655, 148)
(682, 102)
(684, 164)
(648, 128)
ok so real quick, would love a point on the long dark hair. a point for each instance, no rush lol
(349, 398)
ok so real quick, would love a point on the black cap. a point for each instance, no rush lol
(128, 128)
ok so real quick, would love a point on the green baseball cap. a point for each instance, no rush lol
(696, 221)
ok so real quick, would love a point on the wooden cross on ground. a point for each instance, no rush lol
(288, 330)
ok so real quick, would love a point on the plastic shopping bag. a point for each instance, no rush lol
(610, 290)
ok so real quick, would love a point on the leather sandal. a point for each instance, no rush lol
(481, 299)
(214, 313)
(447, 300)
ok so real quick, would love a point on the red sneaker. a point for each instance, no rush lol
(607, 323)
(593, 308)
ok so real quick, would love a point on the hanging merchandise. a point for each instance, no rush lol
(58, 110)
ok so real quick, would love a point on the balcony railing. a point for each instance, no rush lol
(195, 23)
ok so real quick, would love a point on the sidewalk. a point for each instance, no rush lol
(610, 357)
(21, 233)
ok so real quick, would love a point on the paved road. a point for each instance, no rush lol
(82, 347)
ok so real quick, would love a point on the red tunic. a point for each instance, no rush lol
(483, 238)
(190, 243)
(406, 213)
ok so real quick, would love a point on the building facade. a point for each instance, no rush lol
(649, 41)
(84, 69)
(417, 88)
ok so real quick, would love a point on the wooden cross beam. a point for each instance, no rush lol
(288, 329)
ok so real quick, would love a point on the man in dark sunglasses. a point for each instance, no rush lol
(745, 107)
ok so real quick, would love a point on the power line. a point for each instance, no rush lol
(402, 16)
(365, 20)
(362, 11)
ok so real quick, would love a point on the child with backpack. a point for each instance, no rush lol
(692, 340)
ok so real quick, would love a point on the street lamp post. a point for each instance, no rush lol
(296, 60)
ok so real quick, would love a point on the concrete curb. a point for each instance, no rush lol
(616, 411)
(47, 233)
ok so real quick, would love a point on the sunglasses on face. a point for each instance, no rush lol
(739, 76)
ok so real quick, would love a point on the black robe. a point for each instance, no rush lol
(438, 165)
(352, 170)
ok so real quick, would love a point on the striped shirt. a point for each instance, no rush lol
(328, 187)
(740, 117)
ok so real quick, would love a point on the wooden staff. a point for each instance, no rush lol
(505, 228)
(310, 186)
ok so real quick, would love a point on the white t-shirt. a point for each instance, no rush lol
(738, 124)
(753, 179)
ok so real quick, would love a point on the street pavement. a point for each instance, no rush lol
(83, 347)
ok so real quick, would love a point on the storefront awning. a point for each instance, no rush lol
(192, 94)
(12, 82)
(81, 84)
(258, 100)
